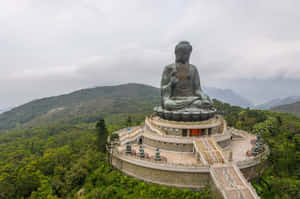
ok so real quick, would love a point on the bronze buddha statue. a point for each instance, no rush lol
(180, 85)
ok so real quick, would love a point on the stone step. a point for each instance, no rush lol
(231, 183)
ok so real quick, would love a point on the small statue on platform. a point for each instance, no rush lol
(128, 148)
(259, 147)
(157, 155)
(141, 152)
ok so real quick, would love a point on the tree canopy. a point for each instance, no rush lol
(62, 160)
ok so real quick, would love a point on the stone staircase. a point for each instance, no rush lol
(231, 183)
(208, 150)
(153, 127)
(226, 175)
(129, 135)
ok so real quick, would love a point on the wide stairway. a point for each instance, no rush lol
(231, 183)
(226, 175)
(209, 152)
(126, 135)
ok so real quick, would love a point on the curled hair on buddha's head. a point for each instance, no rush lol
(183, 45)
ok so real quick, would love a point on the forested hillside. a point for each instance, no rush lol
(64, 160)
(85, 105)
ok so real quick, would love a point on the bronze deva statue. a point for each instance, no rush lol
(181, 91)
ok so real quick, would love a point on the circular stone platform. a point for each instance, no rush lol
(185, 115)
(189, 160)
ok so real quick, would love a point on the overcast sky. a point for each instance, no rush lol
(49, 47)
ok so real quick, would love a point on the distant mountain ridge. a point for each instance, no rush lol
(228, 96)
(88, 105)
(278, 102)
(293, 108)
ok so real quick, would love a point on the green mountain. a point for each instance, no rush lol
(293, 108)
(86, 105)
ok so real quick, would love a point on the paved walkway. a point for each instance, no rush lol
(239, 149)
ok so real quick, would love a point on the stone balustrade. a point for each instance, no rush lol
(255, 160)
(161, 165)
(153, 127)
(128, 136)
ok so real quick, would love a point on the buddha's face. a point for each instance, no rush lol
(182, 55)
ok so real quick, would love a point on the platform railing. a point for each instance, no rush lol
(246, 183)
(254, 160)
(130, 136)
(153, 127)
(135, 157)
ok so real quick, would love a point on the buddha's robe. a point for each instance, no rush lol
(180, 88)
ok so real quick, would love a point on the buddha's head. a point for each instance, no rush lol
(183, 51)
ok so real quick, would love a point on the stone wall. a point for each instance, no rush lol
(172, 177)
(255, 170)
(180, 147)
(174, 128)
(251, 172)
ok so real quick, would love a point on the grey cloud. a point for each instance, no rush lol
(51, 47)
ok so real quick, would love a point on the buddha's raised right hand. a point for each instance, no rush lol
(174, 79)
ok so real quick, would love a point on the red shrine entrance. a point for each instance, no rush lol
(195, 132)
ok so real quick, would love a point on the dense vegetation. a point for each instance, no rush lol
(68, 161)
(64, 160)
